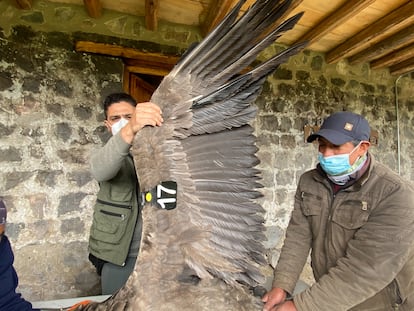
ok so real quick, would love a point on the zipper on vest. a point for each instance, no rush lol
(113, 204)
(122, 216)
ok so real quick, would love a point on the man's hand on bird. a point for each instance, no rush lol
(145, 113)
(286, 306)
(275, 300)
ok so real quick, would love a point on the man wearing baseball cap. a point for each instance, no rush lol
(356, 217)
(9, 299)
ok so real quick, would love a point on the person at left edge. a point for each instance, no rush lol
(9, 299)
(116, 227)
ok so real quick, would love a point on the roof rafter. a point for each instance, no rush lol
(386, 24)
(218, 10)
(394, 57)
(24, 4)
(93, 7)
(403, 67)
(396, 41)
(380, 32)
(342, 14)
(151, 14)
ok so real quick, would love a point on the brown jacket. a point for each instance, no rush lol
(362, 242)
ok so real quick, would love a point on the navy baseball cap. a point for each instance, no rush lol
(3, 212)
(342, 127)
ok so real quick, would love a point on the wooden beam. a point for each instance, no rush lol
(124, 52)
(151, 14)
(149, 66)
(218, 10)
(392, 43)
(403, 67)
(93, 7)
(283, 17)
(135, 61)
(148, 70)
(394, 57)
(293, 5)
(349, 9)
(24, 4)
(404, 14)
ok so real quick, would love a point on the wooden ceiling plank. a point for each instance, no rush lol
(377, 28)
(218, 10)
(394, 57)
(124, 52)
(148, 63)
(93, 7)
(288, 13)
(148, 70)
(292, 7)
(341, 15)
(151, 14)
(24, 4)
(392, 43)
(403, 67)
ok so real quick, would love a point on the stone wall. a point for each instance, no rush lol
(51, 120)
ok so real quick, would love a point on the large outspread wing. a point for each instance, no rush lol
(207, 147)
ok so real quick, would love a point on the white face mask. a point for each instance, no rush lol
(116, 127)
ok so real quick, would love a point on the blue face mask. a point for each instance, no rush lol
(336, 164)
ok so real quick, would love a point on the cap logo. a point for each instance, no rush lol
(348, 126)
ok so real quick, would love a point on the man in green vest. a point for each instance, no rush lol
(116, 228)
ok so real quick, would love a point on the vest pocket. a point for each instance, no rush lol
(110, 222)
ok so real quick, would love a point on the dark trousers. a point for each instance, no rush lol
(113, 277)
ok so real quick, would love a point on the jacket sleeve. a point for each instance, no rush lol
(374, 257)
(295, 249)
(107, 161)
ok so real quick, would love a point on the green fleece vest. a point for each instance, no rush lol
(115, 216)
